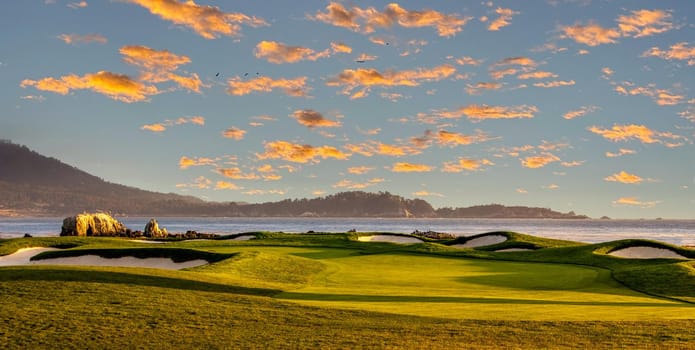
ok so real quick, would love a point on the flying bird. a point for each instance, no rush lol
(246, 74)
(360, 61)
(218, 74)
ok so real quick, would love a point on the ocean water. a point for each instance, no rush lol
(679, 232)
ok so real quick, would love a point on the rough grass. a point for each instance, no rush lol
(331, 291)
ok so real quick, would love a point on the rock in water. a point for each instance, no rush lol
(152, 230)
(86, 224)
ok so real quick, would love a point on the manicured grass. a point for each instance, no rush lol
(332, 291)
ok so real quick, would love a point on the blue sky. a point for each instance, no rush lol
(572, 105)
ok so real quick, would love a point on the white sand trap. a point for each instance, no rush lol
(482, 241)
(513, 250)
(145, 241)
(389, 238)
(126, 261)
(646, 253)
(22, 256)
(244, 238)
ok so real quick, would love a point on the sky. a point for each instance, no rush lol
(575, 105)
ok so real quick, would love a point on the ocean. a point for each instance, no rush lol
(678, 232)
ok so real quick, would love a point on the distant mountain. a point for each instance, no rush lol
(32, 184)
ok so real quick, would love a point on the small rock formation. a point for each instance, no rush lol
(97, 224)
(152, 230)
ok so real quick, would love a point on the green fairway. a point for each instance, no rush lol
(330, 290)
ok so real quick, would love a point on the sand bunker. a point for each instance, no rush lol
(244, 237)
(23, 256)
(482, 241)
(389, 238)
(646, 253)
(513, 250)
(145, 241)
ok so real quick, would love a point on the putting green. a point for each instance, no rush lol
(476, 289)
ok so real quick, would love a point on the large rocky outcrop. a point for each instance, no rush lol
(87, 224)
(152, 230)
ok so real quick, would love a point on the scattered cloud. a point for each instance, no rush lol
(74, 39)
(637, 132)
(234, 133)
(467, 60)
(403, 167)
(38, 98)
(580, 112)
(349, 184)
(158, 66)
(504, 19)
(424, 193)
(554, 84)
(679, 51)
(119, 87)
(224, 185)
(537, 75)
(159, 127)
(521, 191)
(591, 34)
(572, 164)
(481, 112)
(207, 21)
(639, 23)
(77, 5)
(278, 53)
(539, 161)
(300, 153)
(264, 192)
(236, 174)
(662, 97)
(350, 79)
(621, 152)
(367, 20)
(366, 58)
(339, 47)
(465, 164)
(624, 177)
(201, 182)
(313, 119)
(476, 89)
(293, 87)
(551, 187)
(634, 201)
(359, 170)
(185, 162)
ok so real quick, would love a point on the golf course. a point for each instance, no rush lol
(345, 291)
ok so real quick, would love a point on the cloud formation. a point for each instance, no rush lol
(636, 132)
(74, 39)
(158, 66)
(554, 84)
(580, 112)
(359, 170)
(160, 127)
(236, 174)
(662, 97)
(639, 23)
(234, 133)
(313, 119)
(350, 79)
(634, 201)
(185, 162)
(504, 19)
(119, 87)
(539, 161)
(481, 112)
(278, 53)
(404, 167)
(293, 87)
(349, 184)
(368, 19)
(465, 164)
(621, 152)
(300, 153)
(207, 21)
(624, 177)
(679, 51)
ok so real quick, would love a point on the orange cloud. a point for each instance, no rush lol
(403, 167)
(351, 79)
(537, 75)
(539, 161)
(634, 201)
(645, 23)
(662, 97)
(275, 52)
(364, 57)
(359, 170)
(355, 185)
(621, 152)
(314, 119)
(591, 34)
(464, 164)
(633, 131)
(479, 87)
(77, 5)
(366, 20)
(505, 16)
(300, 153)
(201, 182)
(521, 190)
(467, 60)
(115, 86)
(424, 193)
(293, 87)
(572, 164)
(224, 185)
(624, 177)
(158, 127)
(158, 66)
(518, 61)
(501, 73)
(679, 51)
(481, 112)
(234, 133)
(340, 47)
(236, 174)
(580, 112)
(264, 192)
(553, 84)
(73, 39)
(452, 139)
(208, 21)
(185, 162)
